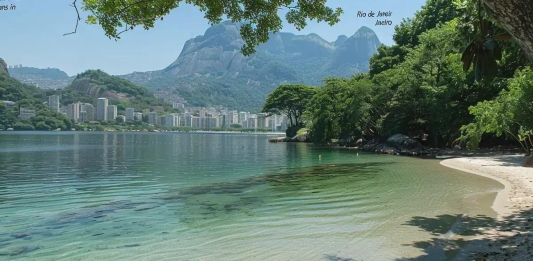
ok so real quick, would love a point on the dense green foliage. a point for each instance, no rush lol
(420, 84)
(87, 87)
(510, 113)
(339, 109)
(30, 97)
(291, 100)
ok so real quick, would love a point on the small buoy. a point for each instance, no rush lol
(319, 157)
(357, 154)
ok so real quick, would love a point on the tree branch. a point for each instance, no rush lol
(77, 20)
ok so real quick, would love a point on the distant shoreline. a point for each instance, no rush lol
(156, 131)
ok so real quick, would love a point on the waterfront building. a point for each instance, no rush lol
(26, 114)
(152, 118)
(130, 114)
(73, 111)
(101, 109)
(112, 111)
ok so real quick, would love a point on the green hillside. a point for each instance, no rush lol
(93, 84)
(28, 96)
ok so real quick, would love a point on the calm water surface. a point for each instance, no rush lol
(176, 196)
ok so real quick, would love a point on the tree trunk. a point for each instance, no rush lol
(528, 161)
(516, 16)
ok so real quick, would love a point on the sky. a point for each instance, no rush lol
(32, 35)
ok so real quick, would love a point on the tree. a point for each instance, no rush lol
(339, 109)
(289, 99)
(509, 114)
(260, 17)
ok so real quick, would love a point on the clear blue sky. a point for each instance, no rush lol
(32, 35)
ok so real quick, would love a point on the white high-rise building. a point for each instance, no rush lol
(172, 120)
(262, 121)
(89, 112)
(101, 109)
(53, 103)
(234, 117)
(242, 117)
(130, 114)
(83, 116)
(152, 118)
(73, 111)
(111, 112)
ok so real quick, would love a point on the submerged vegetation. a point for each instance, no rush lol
(423, 83)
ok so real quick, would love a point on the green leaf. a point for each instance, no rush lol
(468, 56)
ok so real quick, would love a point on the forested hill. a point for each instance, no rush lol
(93, 84)
(86, 87)
(31, 97)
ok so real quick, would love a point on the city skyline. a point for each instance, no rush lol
(194, 117)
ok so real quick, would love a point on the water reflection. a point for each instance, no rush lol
(84, 196)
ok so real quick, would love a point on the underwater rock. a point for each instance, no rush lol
(15, 251)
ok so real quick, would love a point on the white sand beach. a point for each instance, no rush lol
(512, 238)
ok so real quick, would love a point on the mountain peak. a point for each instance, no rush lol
(365, 29)
(340, 40)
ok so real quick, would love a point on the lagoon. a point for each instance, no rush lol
(209, 196)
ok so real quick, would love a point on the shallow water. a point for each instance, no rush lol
(177, 196)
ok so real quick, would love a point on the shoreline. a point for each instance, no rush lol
(108, 131)
(510, 238)
(501, 204)
(507, 170)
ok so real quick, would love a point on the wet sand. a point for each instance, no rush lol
(512, 237)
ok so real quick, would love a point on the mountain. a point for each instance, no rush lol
(49, 78)
(210, 69)
(93, 84)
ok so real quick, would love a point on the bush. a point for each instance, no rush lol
(23, 126)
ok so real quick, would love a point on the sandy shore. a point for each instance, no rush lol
(512, 237)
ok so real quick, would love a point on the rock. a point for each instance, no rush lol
(3, 67)
(528, 161)
(278, 139)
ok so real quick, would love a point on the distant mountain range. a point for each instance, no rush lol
(211, 70)
(50, 78)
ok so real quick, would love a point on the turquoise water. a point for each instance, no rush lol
(178, 196)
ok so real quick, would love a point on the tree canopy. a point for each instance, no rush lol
(289, 99)
(260, 17)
